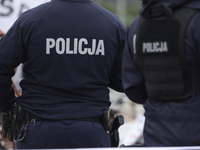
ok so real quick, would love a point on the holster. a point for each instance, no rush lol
(111, 124)
(18, 119)
(114, 133)
(108, 119)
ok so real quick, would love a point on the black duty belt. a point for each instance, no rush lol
(91, 119)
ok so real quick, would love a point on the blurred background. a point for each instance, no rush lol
(127, 10)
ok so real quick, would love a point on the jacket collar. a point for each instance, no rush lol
(173, 4)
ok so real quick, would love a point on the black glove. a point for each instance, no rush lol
(7, 126)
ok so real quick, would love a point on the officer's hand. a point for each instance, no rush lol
(17, 93)
(6, 126)
(2, 33)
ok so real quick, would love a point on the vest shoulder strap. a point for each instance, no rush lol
(184, 16)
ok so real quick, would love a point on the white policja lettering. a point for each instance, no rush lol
(62, 46)
(155, 47)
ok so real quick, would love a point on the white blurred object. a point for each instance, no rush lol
(132, 132)
(18, 77)
(10, 10)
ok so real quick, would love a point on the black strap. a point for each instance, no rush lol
(22, 133)
(191, 79)
(91, 119)
(35, 117)
(184, 16)
(195, 72)
(159, 9)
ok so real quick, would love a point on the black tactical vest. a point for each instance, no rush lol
(161, 55)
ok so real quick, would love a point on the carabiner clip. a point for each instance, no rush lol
(22, 136)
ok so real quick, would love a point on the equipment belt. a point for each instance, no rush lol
(92, 119)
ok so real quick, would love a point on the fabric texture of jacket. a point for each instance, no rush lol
(72, 52)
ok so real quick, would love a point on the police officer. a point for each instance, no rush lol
(156, 74)
(72, 52)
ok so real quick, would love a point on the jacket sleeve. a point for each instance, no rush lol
(133, 80)
(116, 74)
(11, 55)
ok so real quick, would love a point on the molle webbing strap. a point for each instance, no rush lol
(195, 72)
(184, 16)
(161, 55)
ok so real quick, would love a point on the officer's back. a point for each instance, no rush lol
(72, 54)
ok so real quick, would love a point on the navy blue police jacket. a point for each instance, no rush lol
(72, 53)
(183, 115)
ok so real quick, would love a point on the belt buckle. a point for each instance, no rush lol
(33, 121)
